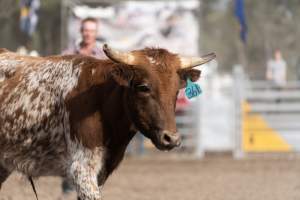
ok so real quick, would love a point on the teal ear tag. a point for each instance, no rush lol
(192, 89)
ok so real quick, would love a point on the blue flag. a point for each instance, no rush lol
(29, 16)
(239, 11)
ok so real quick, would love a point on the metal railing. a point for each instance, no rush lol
(267, 118)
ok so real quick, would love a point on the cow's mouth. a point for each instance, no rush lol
(166, 140)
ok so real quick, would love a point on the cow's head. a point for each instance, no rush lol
(153, 78)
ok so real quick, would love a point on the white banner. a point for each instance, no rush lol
(134, 25)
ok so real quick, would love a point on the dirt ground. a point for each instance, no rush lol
(165, 178)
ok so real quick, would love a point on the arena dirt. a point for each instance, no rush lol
(165, 178)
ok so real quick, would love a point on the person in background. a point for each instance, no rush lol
(276, 70)
(88, 44)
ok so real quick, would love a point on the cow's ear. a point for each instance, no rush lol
(123, 75)
(184, 74)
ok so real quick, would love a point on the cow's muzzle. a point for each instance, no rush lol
(168, 140)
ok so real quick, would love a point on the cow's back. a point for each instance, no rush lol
(33, 119)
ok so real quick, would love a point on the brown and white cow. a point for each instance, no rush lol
(73, 116)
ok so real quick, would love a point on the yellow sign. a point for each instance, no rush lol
(258, 136)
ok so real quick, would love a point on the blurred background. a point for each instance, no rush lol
(241, 137)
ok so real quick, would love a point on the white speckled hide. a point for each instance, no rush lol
(35, 130)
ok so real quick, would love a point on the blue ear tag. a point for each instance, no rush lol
(192, 89)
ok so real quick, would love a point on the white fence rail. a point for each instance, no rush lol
(267, 118)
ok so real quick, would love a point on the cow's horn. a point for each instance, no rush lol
(189, 62)
(118, 56)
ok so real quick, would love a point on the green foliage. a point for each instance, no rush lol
(271, 25)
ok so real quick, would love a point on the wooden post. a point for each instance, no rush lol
(238, 87)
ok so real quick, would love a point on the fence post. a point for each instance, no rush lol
(238, 91)
(199, 153)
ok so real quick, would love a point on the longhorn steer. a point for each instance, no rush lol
(73, 116)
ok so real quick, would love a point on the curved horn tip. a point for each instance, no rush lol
(190, 62)
(105, 47)
(212, 55)
(118, 56)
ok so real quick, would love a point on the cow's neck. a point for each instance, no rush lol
(118, 129)
(117, 126)
(98, 115)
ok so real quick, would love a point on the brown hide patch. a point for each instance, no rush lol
(89, 131)
(163, 60)
(10, 84)
(83, 102)
(165, 66)
(34, 95)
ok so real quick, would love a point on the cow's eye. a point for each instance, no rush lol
(143, 88)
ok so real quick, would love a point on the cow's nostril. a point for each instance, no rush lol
(167, 139)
